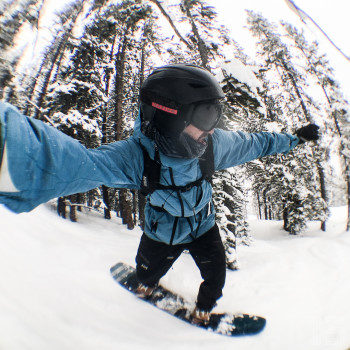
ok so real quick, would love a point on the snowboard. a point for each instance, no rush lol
(220, 323)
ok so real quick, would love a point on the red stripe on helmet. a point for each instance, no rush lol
(163, 108)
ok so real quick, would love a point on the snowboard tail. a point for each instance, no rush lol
(222, 323)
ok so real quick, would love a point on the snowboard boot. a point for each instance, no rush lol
(200, 317)
(144, 292)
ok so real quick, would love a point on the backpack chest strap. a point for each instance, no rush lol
(152, 170)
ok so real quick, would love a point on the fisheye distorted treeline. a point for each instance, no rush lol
(86, 81)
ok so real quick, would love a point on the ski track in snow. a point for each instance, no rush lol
(56, 292)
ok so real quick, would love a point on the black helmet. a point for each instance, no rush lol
(176, 95)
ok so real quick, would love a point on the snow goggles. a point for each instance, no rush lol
(204, 115)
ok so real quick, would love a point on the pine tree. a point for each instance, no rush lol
(96, 84)
(12, 19)
(229, 198)
(52, 60)
(73, 101)
(171, 22)
(337, 108)
(206, 34)
(243, 98)
(131, 16)
(302, 195)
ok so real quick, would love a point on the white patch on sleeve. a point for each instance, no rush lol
(6, 184)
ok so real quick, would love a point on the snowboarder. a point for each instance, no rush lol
(171, 156)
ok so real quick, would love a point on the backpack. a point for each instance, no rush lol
(152, 168)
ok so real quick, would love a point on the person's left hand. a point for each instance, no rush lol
(308, 133)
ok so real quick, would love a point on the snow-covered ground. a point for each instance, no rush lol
(56, 292)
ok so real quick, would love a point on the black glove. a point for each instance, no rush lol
(308, 133)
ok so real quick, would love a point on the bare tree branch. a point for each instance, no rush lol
(165, 14)
(303, 16)
(40, 110)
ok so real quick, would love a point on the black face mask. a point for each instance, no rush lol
(180, 146)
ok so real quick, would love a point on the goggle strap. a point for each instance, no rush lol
(164, 108)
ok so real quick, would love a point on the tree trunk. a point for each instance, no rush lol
(73, 213)
(53, 58)
(285, 219)
(165, 14)
(202, 49)
(125, 209)
(134, 206)
(47, 75)
(259, 205)
(126, 212)
(105, 191)
(265, 208)
(79, 200)
(61, 207)
(141, 198)
(106, 201)
(347, 174)
(31, 90)
(323, 189)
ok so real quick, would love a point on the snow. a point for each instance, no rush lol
(56, 291)
(74, 119)
(242, 73)
(234, 68)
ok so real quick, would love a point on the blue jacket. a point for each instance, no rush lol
(44, 163)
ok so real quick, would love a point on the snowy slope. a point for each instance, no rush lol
(56, 292)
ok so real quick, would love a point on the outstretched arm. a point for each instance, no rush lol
(235, 148)
(40, 163)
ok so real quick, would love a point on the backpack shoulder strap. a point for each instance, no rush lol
(151, 171)
(206, 163)
(152, 168)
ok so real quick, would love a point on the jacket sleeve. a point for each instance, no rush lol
(235, 148)
(43, 163)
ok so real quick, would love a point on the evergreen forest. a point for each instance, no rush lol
(86, 82)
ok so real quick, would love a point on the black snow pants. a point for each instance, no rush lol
(154, 259)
